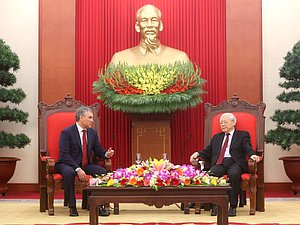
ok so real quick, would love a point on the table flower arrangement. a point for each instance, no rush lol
(157, 173)
(150, 88)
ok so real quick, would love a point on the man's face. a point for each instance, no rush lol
(87, 120)
(226, 124)
(149, 23)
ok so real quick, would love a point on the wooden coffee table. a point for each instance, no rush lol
(163, 197)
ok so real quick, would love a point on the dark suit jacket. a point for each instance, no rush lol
(240, 146)
(70, 148)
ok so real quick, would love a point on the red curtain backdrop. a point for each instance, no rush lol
(194, 26)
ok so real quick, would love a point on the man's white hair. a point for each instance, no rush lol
(230, 116)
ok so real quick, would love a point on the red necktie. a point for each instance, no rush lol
(222, 153)
(84, 149)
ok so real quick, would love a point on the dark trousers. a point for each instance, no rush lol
(233, 171)
(69, 175)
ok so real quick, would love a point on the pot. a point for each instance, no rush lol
(7, 170)
(292, 168)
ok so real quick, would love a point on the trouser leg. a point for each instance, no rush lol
(234, 175)
(68, 174)
(93, 170)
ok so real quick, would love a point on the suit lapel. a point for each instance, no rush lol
(89, 141)
(234, 138)
(220, 141)
(76, 134)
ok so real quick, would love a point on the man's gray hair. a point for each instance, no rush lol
(138, 12)
(81, 111)
(230, 116)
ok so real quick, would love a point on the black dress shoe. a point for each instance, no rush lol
(73, 211)
(232, 211)
(103, 212)
(214, 210)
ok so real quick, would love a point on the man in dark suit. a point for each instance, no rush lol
(78, 144)
(227, 154)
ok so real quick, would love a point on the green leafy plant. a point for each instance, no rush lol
(150, 88)
(9, 63)
(287, 131)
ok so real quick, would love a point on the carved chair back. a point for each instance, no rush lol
(249, 117)
(53, 118)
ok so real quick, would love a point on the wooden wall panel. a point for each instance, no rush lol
(151, 139)
(56, 49)
(244, 49)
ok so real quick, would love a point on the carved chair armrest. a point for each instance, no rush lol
(47, 164)
(50, 166)
(252, 167)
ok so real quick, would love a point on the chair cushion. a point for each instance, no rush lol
(55, 124)
(58, 176)
(247, 176)
(245, 121)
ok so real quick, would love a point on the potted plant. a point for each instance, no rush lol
(287, 131)
(9, 63)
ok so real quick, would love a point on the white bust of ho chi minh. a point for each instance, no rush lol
(150, 50)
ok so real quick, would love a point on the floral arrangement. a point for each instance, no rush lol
(157, 173)
(150, 88)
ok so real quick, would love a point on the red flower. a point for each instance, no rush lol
(123, 182)
(175, 182)
(159, 183)
(139, 183)
(197, 182)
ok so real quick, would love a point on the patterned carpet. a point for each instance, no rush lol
(23, 209)
(171, 224)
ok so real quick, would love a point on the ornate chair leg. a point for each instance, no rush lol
(50, 193)
(252, 190)
(43, 198)
(260, 199)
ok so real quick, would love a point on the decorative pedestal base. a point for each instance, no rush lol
(151, 135)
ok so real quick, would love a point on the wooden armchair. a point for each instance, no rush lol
(250, 118)
(52, 120)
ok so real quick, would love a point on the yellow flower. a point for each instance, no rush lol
(110, 182)
(214, 181)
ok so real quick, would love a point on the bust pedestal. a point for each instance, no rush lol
(150, 135)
